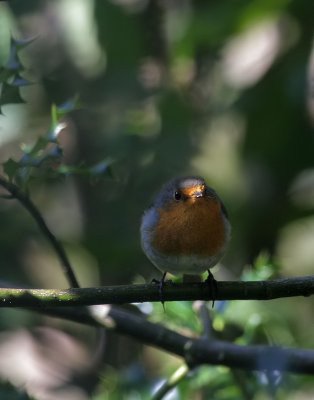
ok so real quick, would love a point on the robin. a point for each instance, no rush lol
(186, 230)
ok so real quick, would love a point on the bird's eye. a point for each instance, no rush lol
(177, 195)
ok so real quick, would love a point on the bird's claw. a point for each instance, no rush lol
(161, 284)
(212, 286)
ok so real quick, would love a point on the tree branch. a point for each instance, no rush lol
(19, 195)
(167, 385)
(262, 290)
(195, 351)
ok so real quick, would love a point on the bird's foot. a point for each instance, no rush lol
(161, 284)
(212, 286)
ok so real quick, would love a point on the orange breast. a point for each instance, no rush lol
(191, 227)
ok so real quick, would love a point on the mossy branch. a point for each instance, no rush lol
(261, 290)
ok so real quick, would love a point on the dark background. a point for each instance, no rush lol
(218, 89)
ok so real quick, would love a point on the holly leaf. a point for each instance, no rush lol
(19, 81)
(13, 63)
(103, 168)
(36, 148)
(10, 94)
(10, 168)
(5, 74)
(21, 43)
(69, 105)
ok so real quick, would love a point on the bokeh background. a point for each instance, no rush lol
(165, 88)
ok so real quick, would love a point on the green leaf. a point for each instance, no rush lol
(262, 269)
(22, 43)
(10, 168)
(5, 74)
(37, 148)
(13, 63)
(10, 94)
(18, 80)
(72, 170)
(54, 117)
(23, 177)
(67, 106)
(103, 168)
(179, 313)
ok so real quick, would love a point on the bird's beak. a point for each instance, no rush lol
(198, 194)
(198, 191)
(195, 192)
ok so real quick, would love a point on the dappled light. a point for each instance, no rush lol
(101, 103)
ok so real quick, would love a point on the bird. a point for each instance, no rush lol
(186, 230)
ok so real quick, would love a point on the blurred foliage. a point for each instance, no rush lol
(9, 392)
(127, 94)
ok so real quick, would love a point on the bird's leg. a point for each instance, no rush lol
(212, 286)
(161, 286)
(162, 281)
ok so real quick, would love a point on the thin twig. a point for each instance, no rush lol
(169, 384)
(241, 380)
(208, 333)
(182, 371)
(27, 203)
(205, 318)
(24, 199)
